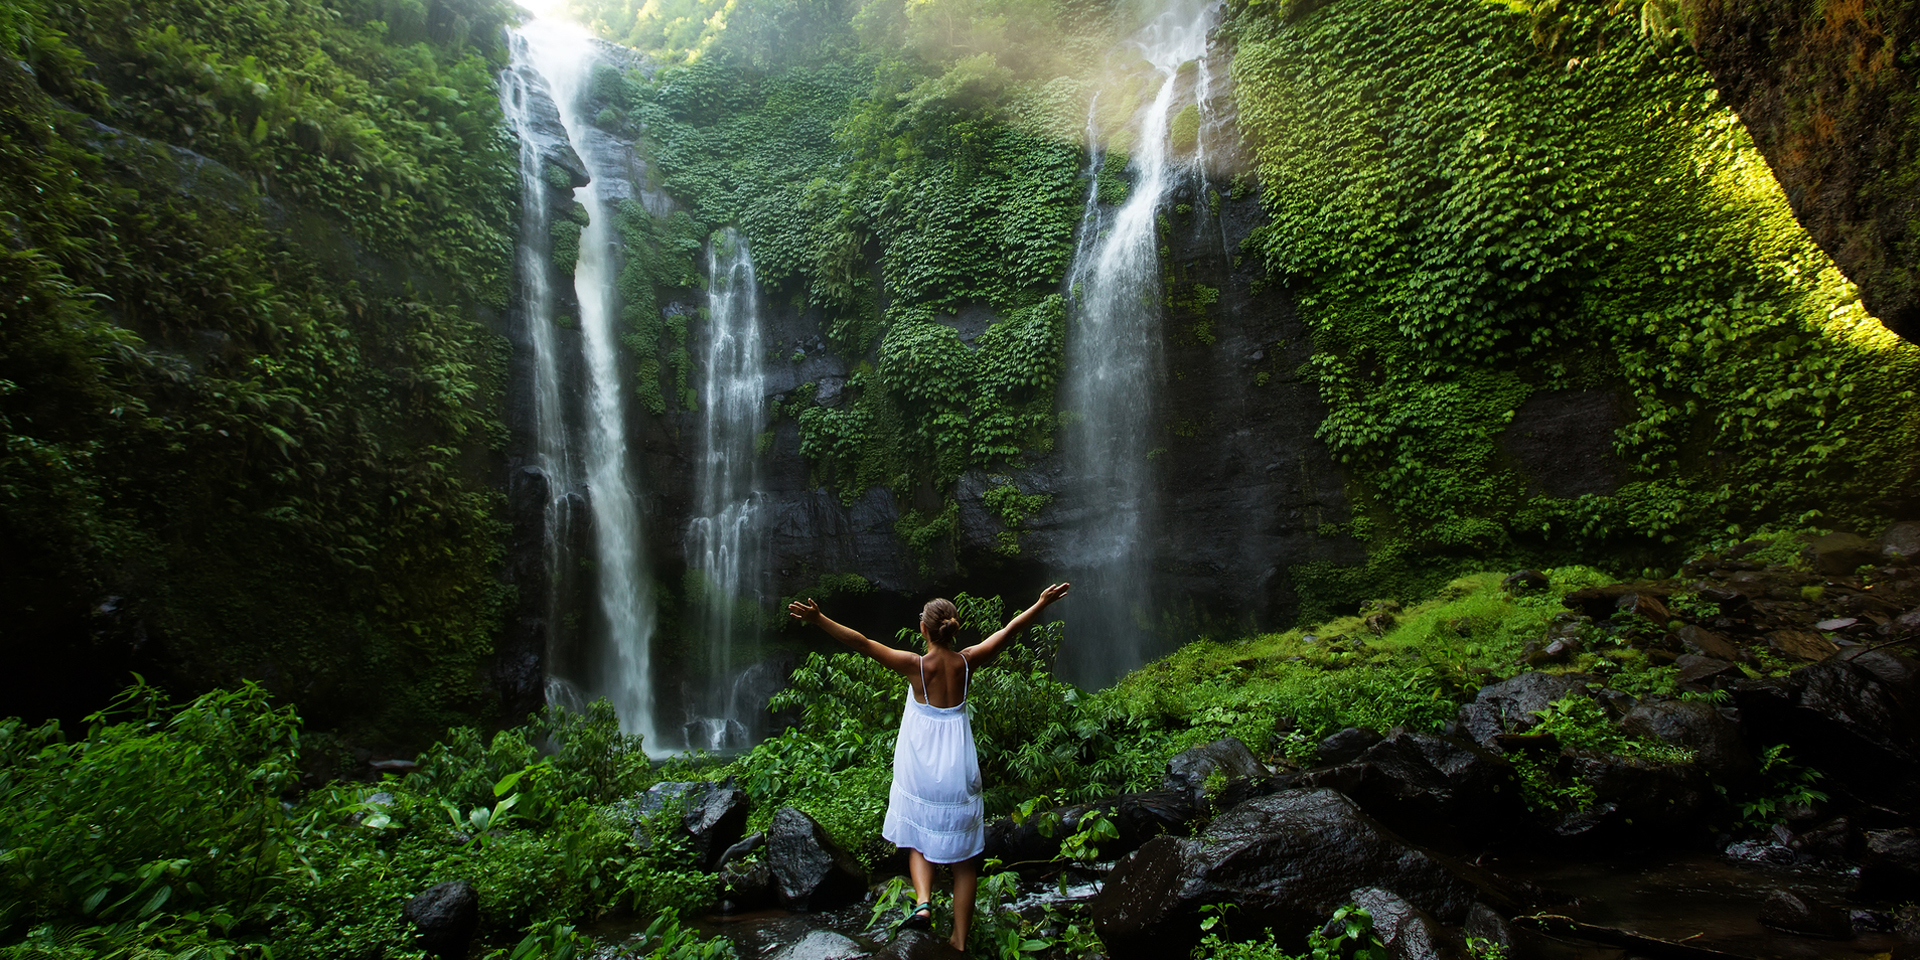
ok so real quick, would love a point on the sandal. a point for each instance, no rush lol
(920, 919)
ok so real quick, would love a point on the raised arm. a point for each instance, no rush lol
(899, 661)
(984, 652)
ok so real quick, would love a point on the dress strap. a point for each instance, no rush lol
(925, 696)
(966, 686)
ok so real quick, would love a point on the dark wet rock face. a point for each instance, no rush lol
(1857, 714)
(1511, 705)
(1635, 796)
(810, 872)
(1840, 554)
(1796, 913)
(1830, 105)
(1138, 817)
(713, 816)
(1406, 931)
(1891, 870)
(1346, 745)
(445, 917)
(918, 945)
(1286, 861)
(1430, 788)
(1714, 739)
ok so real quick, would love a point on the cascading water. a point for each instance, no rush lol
(723, 541)
(1114, 373)
(617, 665)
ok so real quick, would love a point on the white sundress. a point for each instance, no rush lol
(935, 806)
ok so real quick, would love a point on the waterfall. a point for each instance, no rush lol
(723, 542)
(1114, 372)
(585, 449)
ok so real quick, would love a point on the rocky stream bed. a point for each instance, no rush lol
(1433, 832)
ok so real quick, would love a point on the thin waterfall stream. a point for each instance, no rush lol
(723, 541)
(585, 449)
(1114, 372)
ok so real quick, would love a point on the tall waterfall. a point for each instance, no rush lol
(1114, 373)
(723, 541)
(584, 449)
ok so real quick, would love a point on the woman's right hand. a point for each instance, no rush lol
(806, 610)
(1054, 592)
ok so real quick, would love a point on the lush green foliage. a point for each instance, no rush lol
(882, 186)
(243, 377)
(167, 831)
(1477, 204)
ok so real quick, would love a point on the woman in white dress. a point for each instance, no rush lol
(934, 809)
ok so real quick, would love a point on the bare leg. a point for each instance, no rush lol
(966, 882)
(921, 873)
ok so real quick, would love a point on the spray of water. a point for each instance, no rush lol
(1114, 373)
(723, 541)
(619, 663)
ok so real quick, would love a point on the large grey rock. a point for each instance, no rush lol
(1900, 540)
(1285, 861)
(810, 871)
(1511, 705)
(1714, 739)
(1189, 769)
(821, 945)
(1430, 788)
(445, 918)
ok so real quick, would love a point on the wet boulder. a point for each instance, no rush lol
(1346, 745)
(918, 945)
(746, 880)
(1705, 643)
(1690, 724)
(1189, 769)
(1430, 788)
(1891, 868)
(1406, 931)
(1855, 715)
(1285, 861)
(1634, 796)
(445, 918)
(1840, 554)
(1138, 817)
(713, 816)
(1797, 913)
(1512, 705)
(821, 945)
(1900, 540)
(810, 871)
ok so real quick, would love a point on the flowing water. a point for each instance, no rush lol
(1115, 371)
(723, 541)
(585, 449)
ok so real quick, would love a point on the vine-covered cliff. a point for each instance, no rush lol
(249, 388)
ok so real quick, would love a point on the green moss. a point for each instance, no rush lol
(264, 432)
(1505, 226)
(1111, 184)
(1183, 131)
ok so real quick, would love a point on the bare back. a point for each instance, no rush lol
(946, 674)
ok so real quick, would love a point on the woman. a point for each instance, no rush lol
(934, 808)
